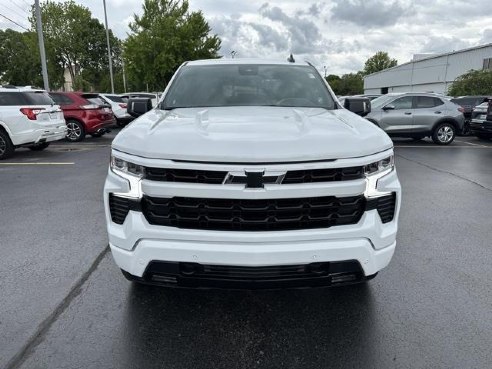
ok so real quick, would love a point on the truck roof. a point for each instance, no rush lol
(244, 61)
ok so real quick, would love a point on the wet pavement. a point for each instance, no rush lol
(65, 304)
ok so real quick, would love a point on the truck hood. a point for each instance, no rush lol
(251, 134)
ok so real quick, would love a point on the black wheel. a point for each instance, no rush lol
(444, 134)
(483, 137)
(6, 146)
(75, 131)
(40, 146)
(96, 135)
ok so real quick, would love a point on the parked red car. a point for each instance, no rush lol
(85, 113)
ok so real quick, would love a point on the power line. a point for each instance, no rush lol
(18, 7)
(15, 12)
(1, 15)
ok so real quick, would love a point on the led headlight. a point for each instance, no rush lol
(374, 172)
(133, 173)
(121, 166)
(380, 166)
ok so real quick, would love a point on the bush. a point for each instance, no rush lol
(475, 82)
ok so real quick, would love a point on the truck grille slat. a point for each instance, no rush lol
(218, 177)
(253, 215)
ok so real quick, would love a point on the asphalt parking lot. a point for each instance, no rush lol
(66, 305)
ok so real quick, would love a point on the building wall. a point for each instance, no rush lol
(433, 74)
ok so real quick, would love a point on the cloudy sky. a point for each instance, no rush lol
(338, 34)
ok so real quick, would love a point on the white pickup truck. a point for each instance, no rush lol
(250, 174)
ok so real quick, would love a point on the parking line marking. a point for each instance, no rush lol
(446, 147)
(34, 163)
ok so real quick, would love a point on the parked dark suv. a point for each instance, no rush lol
(468, 103)
(85, 113)
(481, 122)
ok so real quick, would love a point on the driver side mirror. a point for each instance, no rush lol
(389, 107)
(138, 106)
(358, 105)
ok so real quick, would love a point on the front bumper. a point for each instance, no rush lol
(136, 244)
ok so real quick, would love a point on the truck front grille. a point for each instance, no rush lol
(218, 177)
(253, 215)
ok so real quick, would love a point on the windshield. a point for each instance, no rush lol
(115, 98)
(248, 85)
(381, 100)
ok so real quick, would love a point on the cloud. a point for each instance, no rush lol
(486, 36)
(368, 13)
(443, 44)
(304, 34)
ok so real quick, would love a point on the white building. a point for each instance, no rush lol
(433, 73)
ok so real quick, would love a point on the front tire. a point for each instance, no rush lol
(75, 131)
(39, 147)
(444, 134)
(6, 147)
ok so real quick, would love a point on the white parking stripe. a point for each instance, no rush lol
(35, 163)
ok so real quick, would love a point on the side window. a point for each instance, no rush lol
(61, 99)
(403, 103)
(11, 99)
(427, 102)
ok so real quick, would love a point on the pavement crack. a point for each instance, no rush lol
(28, 348)
(446, 172)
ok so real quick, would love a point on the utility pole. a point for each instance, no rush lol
(42, 53)
(109, 48)
(124, 76)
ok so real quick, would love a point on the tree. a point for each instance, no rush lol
(19, 65)
(378, 62)
(348, 84)
(77, 41)
(162, 38)
(475, 82)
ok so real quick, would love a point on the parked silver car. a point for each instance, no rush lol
(417, 115)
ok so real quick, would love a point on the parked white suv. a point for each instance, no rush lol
(28, 118)
(250, 174)
(118, 106)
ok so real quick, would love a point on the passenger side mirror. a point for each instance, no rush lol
(358, 105)
(138, 106)
(389, 107)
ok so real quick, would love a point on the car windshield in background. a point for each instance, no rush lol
(38, 98)
(116, 99)
(96, 101)
(248, 85)
(381, 100)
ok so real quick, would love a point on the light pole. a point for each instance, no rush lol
(109, 48)
(42, 53)
(233, 54)
(324, 68)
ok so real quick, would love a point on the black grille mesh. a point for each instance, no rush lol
(217, 177)
(119, 208)
(253, 215)
(323, 175)
(386, 207)
(185, 175)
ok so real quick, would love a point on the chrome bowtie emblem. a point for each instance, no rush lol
(254, 179)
